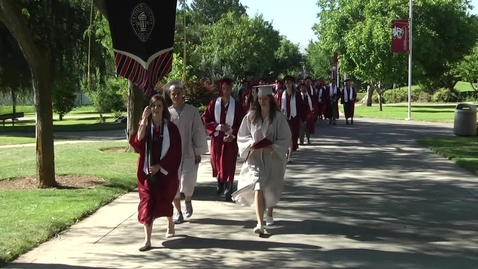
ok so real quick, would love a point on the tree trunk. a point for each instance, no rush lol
(14, 104)
(44, 127)
(135, 110)
(38, 58)
(369, 95)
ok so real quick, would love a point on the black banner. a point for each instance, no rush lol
(142, 32)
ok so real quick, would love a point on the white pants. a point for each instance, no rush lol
(188, 173)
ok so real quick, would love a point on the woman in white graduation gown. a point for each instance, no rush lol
(194, 144)
(263, 139)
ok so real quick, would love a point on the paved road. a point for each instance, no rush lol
(362, 196)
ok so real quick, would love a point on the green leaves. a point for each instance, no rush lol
(443, 33)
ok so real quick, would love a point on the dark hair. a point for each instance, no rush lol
(273, 107)
(156, 97)
(250, 98)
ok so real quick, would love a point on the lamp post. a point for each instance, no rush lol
(410, 41)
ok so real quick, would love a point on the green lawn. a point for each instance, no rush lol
(462, 150)
(461, 86)
(30, 110)
(30, 217)
(85, 123)
(420, 112)
(16, 140)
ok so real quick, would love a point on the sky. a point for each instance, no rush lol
(292, 19)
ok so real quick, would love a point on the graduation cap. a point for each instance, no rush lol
(308, 78)
(291, 78)
(172, 85)
(142, 33)
(347, 80)
(264, 90)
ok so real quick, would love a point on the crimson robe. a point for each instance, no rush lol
(223, 155)
(314, 95)
(278, 97)
(334, 107)
(321, 102)
(155, 200)
(310, 114)
(294, 123)
(349, 106)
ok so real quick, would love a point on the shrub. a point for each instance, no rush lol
(424, 97)
(199, 93)
(64, 96)
(445, 95)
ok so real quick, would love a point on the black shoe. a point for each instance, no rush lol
(228, 197)
(347, 122)
(352, 122)
(220, 188)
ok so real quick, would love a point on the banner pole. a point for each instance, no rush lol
(410, 42)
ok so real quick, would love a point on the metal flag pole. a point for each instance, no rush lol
(410, 41)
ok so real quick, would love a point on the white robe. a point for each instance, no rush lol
(194, 143)
(264, 166)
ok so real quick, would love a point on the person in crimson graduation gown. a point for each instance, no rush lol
(308, 126)
(333, 95)
(250, 99)
(312, 91)
(321, 104)
(349, 95)
(291, 105)
(156, 196)
(278, 92)
(222, 119)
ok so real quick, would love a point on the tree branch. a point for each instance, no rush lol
(11, 15)
(101, 6)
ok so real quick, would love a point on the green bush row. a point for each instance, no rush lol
(442, 95)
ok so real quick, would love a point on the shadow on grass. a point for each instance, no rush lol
(67, 128)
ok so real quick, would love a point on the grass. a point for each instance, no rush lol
(420, 112)
(85, 123)
(30, 217)
(17, 140)
(462, 150)
(30, 110)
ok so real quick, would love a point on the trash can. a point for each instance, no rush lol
(465, 120)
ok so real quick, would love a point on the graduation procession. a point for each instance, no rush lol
(238, 134)
(263, 125)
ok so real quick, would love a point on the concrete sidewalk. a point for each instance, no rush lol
(362, 196)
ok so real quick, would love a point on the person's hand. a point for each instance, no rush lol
(198, 158)
(154, 169)
(146, 112)
(229, 139)
(224, 127)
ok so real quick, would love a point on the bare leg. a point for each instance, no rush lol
(269, 211)
(188, 198)
(177, 204)
(259, 205)
(170, 230)
(148, 229)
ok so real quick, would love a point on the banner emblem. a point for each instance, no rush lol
(142, 21)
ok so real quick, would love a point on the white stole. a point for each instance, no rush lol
(293, 108)
(312, 90)
(321, 91)
(349, 96)
(229, 116)
(332, 90)
(306, 94)
(164, 149)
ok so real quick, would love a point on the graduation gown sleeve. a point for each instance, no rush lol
(209, 119)
(199, 138)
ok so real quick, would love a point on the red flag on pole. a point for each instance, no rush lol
(400, 36)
